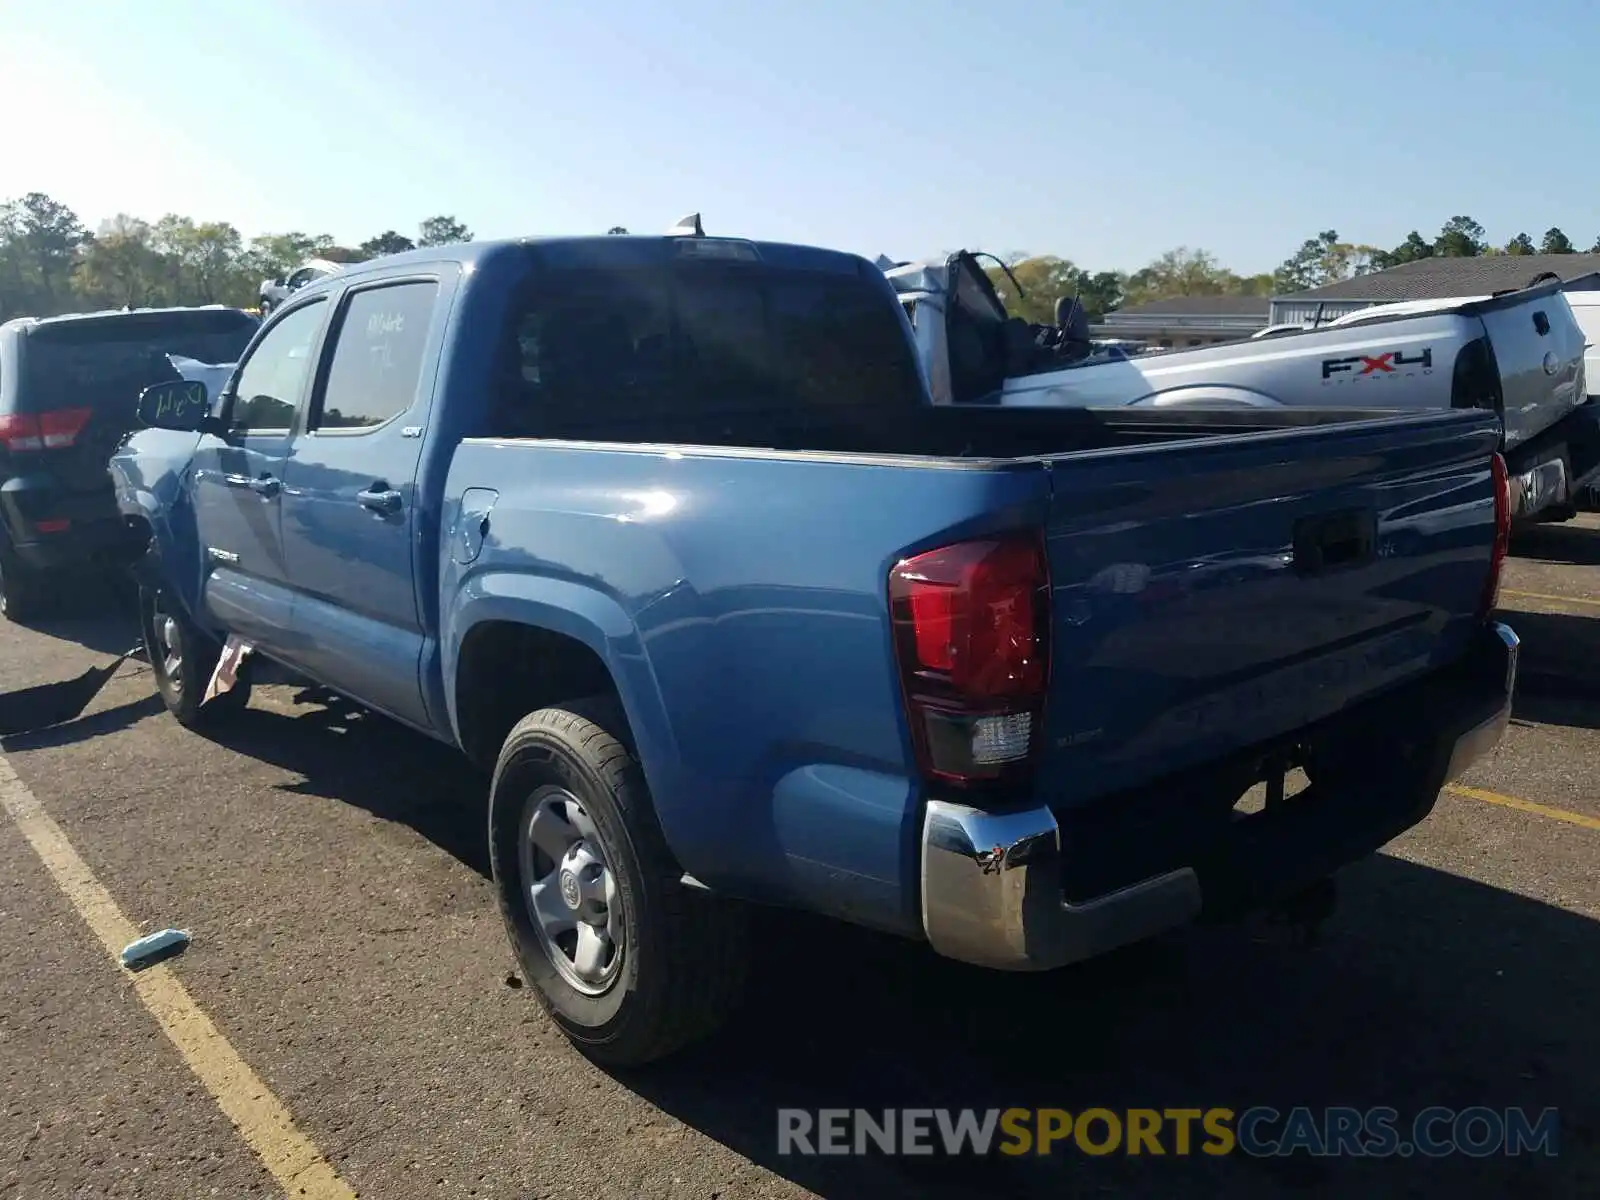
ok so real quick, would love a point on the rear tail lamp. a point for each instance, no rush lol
(972, 632)
(1502, 535)
(20, 432)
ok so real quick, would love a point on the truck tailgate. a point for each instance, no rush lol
(1219, 593)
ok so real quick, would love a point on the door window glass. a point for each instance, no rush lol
(273, 379)
(377, 359)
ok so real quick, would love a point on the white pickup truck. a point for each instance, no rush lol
(1520, 353)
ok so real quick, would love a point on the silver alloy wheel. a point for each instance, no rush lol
(169, 644)
(570, 891)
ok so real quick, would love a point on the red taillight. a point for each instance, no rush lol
(972, 632)
(43, 431)
(1502, 534)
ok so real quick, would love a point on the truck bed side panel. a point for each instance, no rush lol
(741, 605)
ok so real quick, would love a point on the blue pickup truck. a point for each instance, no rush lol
(664, 534)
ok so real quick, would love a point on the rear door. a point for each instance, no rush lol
(237, 481)
(350, 497)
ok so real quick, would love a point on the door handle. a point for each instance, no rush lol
(380, 499)
(266, 487)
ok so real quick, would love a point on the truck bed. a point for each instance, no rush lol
(965, 432)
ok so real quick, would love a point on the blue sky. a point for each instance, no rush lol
(1104, 133)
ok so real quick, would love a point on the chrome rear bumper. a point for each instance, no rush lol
(992, 889)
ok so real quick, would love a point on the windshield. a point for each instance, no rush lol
(109, 360)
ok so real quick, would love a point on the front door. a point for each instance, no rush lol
(237, 483)
(350, 536)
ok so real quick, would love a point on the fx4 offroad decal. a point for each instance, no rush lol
(1392, 364)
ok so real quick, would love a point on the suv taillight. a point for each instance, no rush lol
(43, 431)
(972, 638)
(1502, 535)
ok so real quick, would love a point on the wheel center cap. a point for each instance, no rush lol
(569, 889)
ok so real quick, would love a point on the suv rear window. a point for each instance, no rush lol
(106, 361)
(710, 353)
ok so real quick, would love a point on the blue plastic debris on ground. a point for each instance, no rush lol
(153, 947)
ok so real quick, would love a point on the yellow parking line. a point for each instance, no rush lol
(260, 1117)
(1527, 806)
(1553, 599)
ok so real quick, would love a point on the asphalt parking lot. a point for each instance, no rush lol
(346, 950)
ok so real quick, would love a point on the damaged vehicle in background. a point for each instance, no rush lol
(1519, 354)
(274, 292)
(69, 392)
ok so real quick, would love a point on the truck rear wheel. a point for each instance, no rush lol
(182, 658)
(627, 961)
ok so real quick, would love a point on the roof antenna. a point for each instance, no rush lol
(688, 227)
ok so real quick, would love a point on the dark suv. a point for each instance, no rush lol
(68, 389)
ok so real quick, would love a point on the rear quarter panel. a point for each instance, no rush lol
(739, 601)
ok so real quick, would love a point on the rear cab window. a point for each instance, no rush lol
(710, 352)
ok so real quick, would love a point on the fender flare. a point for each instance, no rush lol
(592, 618)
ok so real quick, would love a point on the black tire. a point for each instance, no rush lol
(22, 591)
(683, 954)
(197, 653)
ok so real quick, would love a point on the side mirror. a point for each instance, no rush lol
(183, 405)
(279, 281)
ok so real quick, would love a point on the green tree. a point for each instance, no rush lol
(1100, 292)
(1521, 244)
(442, 231)
(1322, 260)
(387, 242)
(1046, 278)
(1556, 242)
(40, 240)
(1413, 248)
(616, 229)
(1460, 237)
(209, 260)
(1181, 271)
(1265, 284)
(274, 255)
(122, 268)
(1043, 278)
